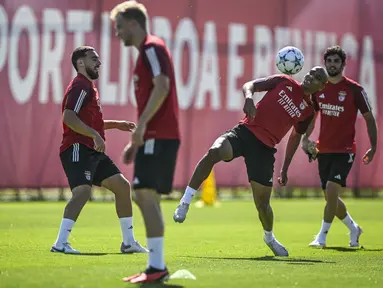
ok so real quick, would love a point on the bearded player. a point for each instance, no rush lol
(338, 105)
(82, 153)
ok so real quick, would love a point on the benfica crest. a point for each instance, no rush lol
(342, 95)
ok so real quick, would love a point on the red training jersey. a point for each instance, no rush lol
(81, 96)
(154, 59)
(339, 104)
(283, 106)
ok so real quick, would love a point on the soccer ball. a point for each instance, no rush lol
(290, 60)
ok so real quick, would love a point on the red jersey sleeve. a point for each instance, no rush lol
(361, 100)
(77, 96)
(301, 127)
(268, 83)
(158, 60)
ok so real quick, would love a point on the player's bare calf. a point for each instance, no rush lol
(220, 150)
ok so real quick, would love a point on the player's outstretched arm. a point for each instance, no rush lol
(291, 148)
(372, 134)
(120, 125)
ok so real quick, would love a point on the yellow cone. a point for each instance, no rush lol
(209, 190)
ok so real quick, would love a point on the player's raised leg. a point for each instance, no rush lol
(80, 195)
(220, 150)
(120, 186)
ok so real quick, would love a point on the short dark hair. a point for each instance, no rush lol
(131, 10)
(335, 50)
(80, 52)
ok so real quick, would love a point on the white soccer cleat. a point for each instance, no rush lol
(277, 248)
(180, 213)
(66, 249)
(134, 247)
(354, 236)
(318, 243)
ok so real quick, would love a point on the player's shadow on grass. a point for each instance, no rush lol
(152, 285)
(100, 254)
(350, 249)
(104, 254)
(92, 254)
(269, 258)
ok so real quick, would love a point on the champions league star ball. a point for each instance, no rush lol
(290, 60)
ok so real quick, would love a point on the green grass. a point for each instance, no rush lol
(222, 247)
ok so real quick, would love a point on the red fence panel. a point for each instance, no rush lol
(216, 47)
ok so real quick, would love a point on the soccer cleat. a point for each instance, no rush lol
(150, 275)
(277, 248)
(354, 237)
(318, 243)
(134, 247)
(67, 249)
(180, 213)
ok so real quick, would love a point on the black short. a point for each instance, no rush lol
(334, 167)
(154, 165)
(85, 166)
(259, 157)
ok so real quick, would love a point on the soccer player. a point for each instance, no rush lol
(338, 104)
(156, 139)
(82, 153)
(286, 104)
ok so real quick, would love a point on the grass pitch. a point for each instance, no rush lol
(222, 247)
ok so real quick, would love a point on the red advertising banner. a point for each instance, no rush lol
(216, 47)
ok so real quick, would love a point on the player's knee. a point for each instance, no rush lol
(117, 184)
(213, 154)
(220, 150)
(145, 198)
(81, 193)
(332, 190)
(216, 154)
(122, 187)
